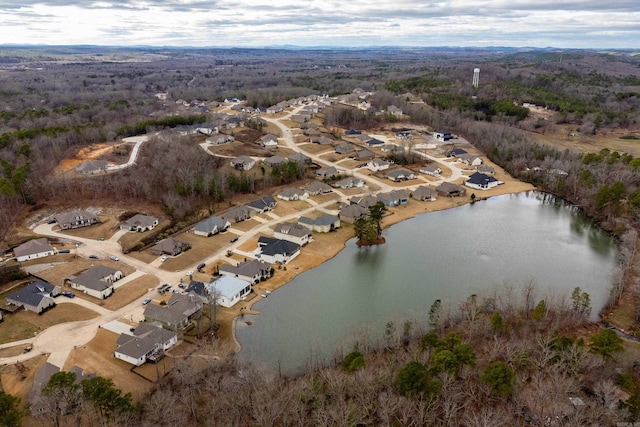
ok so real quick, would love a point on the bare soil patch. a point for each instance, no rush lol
(237, 148)
(248, 135)
(114, 153)
(201, 247)
(128, 292)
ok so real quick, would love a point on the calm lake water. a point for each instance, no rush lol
(447, 255)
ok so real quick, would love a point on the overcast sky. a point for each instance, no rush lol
(255, 23)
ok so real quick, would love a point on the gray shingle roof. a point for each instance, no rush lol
(31, 247)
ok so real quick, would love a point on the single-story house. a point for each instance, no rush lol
(400, 175)
(169, 246)
(293, 194)
(389, 148)
(352, 132)
(345, 148)
(431, 169)
(470, 159)
(351, 213)
(75, 219)
(176, 314)
(238, 214)
(403, 134)
(274, 109)
(274, 161)
(33, 249)
(373, 142)
(228, 290)
(312, 132)
(97, 281)
(327, 172)
(322, 224)
(35, 296)
(317, 187)
(90, 167)
(300, 159)
(269, 141)
(277, 251)
(443, 135)
(449, 189)
(456, 152)
(292, 232)
(364, 201)
(394, 198)
(252, 271)
(322, 140)
(145, 342)
(219, 139)
(37, 402)
(480, 181)
(349, 182)
(378, 164)
(394, 111)
(210, 226)
(485, 169)
(243, 163)
(263, 205)
(140, 223)
(363, 155)
(424, 193)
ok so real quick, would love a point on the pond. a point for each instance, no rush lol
(447, 255)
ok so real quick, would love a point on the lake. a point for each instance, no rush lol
(447, 255)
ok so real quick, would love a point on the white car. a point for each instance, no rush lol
(190, 273)
(164, 258)
(114, 258)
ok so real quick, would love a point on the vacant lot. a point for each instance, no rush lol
(201, 247)
(23, 324)
(127, 293)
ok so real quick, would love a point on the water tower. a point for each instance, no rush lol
(476, 77)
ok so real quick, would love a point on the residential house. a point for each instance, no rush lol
(263, 205)
(431, 169)
(322, 140)
(327, 172)
(274, 109)
(37, 402)
(90, 167)
(394, 111)
(351, 213)
(424, 193)
(75, 219)
(394, 198)
(293, 194)
(33, 249)
(456, 152)
(210, 226)
(322, 224)
(480, 181)
(389, 148)
(364, 201)
(345, 148)
(269, 141)
(228, 290)
(300, 159)
(35, 296)
(146, 342)
(97, 281)
(299, 118)
(311, 132)
(176, 314)
(169, 246)
(349, 182)
(470, 159)
(403, 134)
(400, 175)
(443, 135)
(352, 132)
(253, 271)
(317, 187)
(292, 232)
(140, 223)
(378, 164)
(238, 214)
(277, 251)
(485, 169)
(219, 139)
(274, 161)
(244, 163)
(373, 142)
(363, 155)
(449, 189)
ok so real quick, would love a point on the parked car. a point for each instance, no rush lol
(69, 294)
(146, 301)
(201, 266)
(164, 258)
(114, 258)
(235, 239)
(64, 251)
(190, 273)
(93, 256)
(182, 286)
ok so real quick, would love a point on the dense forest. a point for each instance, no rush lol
(489, 362)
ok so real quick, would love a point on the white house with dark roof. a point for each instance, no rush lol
(145, 342)
(292, 232)
(97, 281)
(322, 224)
(373, 142)
(210, 226)
(35, 296)
(276, 251)
(480, 181)
(140, 223)
(33, 249)
(263, 205)
(75, 219)
(253, 271)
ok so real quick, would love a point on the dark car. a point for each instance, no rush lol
(201, 266)
(68, 294)
(235, 239)
(64, 251)
(93, 256)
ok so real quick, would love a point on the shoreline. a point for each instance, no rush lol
(397, 214)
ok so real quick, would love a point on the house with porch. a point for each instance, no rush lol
(274, 161)
(238, 214)
(480, 181)
(169, 246)
(400, 175)
(449, 189)
(470, 159)
(140, 223)
(431, 169)
(244, 163)
(424, 193)
(210, 226)
(322, 224)
(33, 249)
(378, 164)
(176, 314)
(394, 198)
(35, 296)
(253, 271)
(292, 232)
(263, 205)
(349, 182)
(269, 141)
(97, 281)
(228, 290)
(327, 172)
(316, 188)
(291, 193)
(75, 219)
(351, 213)
(145, 342)
(277, 251)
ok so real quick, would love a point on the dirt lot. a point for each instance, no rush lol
(23, 324)
(114, 153)
(127, 293)
(201, 247)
